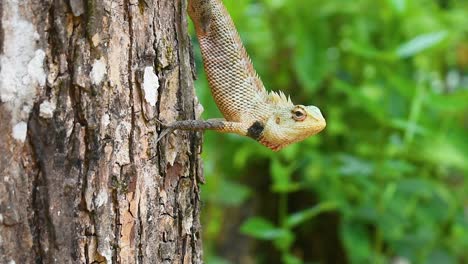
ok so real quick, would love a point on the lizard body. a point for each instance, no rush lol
(249, 110)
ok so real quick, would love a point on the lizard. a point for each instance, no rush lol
(248, 108)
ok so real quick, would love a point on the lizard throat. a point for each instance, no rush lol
(269, 144)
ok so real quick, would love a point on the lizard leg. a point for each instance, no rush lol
(219, 125)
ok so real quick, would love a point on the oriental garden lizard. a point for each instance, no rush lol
(249, 110)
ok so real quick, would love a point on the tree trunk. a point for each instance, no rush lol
(82, 179)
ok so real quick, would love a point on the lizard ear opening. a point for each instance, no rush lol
(299, 114)
(278, 120)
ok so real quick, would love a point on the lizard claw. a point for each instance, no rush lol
(166, 129)
(164, 132)
(160, 122)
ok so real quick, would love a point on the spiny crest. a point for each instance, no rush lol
(279, 99)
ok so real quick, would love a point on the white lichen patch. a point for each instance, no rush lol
(122, 133)
(19, 131)
(187, 224)
(21, 63)
(150, 86)
(77, 8)
(198, 108)
(101, 198)
(104, 249)
(46, 109)
(105, 121)
(36, 68)
(99, 71)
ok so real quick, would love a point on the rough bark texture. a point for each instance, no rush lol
(82, 180)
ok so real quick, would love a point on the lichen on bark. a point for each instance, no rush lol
(89, 183)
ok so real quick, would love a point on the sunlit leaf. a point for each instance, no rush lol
(449, 102)
(276, 3)
(398, 5)
(444, 151)
(261, 228)
(420, 43)
(291, 259)
(305, 215)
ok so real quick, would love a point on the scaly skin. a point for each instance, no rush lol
(249, 110)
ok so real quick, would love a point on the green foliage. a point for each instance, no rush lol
(391, 78)
(282, 237)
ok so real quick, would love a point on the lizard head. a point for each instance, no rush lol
(288, 123)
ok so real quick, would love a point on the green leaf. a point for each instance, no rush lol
(445, 151)
(414, 187)
(216, 260)
(404, 125)
(356, 241)
(231, 193)
(365, 51)
(281, 176)
(398, 5)
(291, 259)
(275, 3)
(353, 166)
(261, 228)
(420, 43)
(455, 102)
(441, 256)
(284, 242)
(305, 215)
(308, 53)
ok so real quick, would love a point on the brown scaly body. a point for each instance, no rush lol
(249, 110)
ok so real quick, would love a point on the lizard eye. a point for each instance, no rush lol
(299, 114)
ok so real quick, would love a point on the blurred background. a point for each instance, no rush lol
(387, 180)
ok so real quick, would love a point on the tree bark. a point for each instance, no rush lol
(82, 179)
